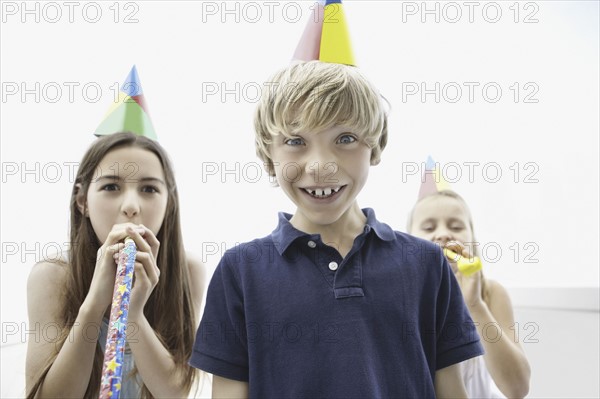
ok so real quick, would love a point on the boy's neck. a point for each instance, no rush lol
(340, 234)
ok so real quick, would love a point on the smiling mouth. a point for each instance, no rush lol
(322, 193)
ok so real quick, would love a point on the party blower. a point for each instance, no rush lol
(466, 266)
(112, 372)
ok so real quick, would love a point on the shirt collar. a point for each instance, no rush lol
(383, 231)
(285, 234)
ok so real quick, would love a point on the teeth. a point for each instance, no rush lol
(325, 192)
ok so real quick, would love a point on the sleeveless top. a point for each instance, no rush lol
(131, 386)
(478, 381)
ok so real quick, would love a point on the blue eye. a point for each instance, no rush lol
(346, 139)
(294, 141)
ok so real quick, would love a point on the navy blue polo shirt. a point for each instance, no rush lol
(292, 317)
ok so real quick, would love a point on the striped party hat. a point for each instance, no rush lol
(129, 113)
(432, 181)
(326, 36)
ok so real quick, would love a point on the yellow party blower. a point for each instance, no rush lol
(466, 266)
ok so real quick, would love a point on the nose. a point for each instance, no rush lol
(131, 204)
(321, 165)
(442, 236)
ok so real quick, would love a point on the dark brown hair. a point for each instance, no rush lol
(169, 309)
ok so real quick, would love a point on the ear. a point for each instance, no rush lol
(375, 162)
(80, 199)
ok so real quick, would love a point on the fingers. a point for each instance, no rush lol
(147, 249)
(145, 239)
(140, 242)
(455, 246)
(110, 250)
(148, 266)
(120, 231)
(459, 248)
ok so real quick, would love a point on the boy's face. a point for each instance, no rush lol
(322, 173)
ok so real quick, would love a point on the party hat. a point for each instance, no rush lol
(326, 36)
(129, 113)
(432, 181)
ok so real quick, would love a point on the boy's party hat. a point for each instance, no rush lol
(326, 37)
(129, 112)
(432, 181)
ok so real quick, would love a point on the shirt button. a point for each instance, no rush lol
(312, 244)
(333, 266)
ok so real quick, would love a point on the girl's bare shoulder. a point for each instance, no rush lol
(49, 271)
(497, 297)
(46, 287)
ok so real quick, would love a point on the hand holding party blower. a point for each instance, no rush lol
(112, 371)
(466, 266)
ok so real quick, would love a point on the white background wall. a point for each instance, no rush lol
(563, 352)
(543, 219)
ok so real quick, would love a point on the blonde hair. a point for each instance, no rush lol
(313, 96)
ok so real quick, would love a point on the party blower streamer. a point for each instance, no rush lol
(112, 372)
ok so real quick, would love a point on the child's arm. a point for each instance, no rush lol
(160, 373)
(224, 388)
(154, 362)
(449, 383)
(504, 357)
(70, 372)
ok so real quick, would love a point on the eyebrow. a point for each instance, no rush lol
(143, 179)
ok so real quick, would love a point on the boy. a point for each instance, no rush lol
(333, 303)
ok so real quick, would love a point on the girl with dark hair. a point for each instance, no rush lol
(125, 186)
